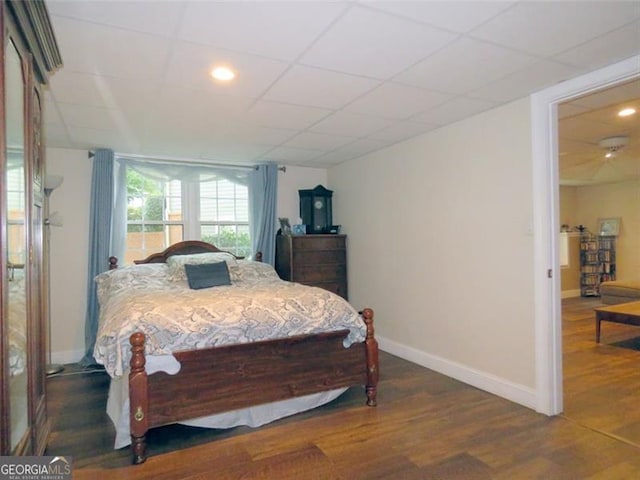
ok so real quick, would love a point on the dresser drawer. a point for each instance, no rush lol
(319, 242)
(315, 260)
(320, 273)
(339, 288)
(318, 257)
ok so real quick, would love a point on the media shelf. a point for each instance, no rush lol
(597, 262)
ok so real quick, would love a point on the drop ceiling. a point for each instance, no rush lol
(319, 83)
(584, 122)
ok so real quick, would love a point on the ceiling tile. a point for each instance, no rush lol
(103, 91)
(567, 147)
(352, 150)
(235, 152)
(374, 44)
(453, 110)
(51, 114)
(292, 154)
(56, 135)
(171, 134)
(162, 19)
(402, 131)
(609, 116)
(102, 50)
(318, 141)
(89, 139)
(606, 49)
(569, 110)
(459, 16)
(524, 82)
(98, 118)
(609, 96)
(319, 88)
(362, 146)
(282, 115)
(542, 28)
(206, 107)
(280, 30)
(242, 133)
(599, 170)
(577, 128)
(190, 67)
(330, 159)
(392, 100)
(350, 124)
(464, 65)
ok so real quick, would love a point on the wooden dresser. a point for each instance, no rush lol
(316, 260)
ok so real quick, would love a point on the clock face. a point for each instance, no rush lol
(318, 204)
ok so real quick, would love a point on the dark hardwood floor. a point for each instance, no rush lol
(601, 381)
(426, 426)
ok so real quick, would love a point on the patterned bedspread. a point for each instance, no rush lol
(257, 306)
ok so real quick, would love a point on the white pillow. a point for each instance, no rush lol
(176, 263)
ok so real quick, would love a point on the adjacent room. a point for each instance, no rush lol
(600, 225)
(320, 239)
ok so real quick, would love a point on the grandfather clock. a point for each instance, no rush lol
(315, 209)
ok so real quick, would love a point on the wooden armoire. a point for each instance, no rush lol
(28, 54)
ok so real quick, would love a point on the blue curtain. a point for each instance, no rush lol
(99, 241)
(263, 189)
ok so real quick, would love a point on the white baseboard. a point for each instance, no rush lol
(570, 293)
(514, 392)
(68, 356)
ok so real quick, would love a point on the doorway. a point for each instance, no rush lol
(599, 171)
(547, 301)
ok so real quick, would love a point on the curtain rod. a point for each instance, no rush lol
(187, 161)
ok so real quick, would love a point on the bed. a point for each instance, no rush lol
(176, 356)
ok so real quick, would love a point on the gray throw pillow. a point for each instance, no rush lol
(206, 275)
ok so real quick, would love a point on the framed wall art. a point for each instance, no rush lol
(608, 227)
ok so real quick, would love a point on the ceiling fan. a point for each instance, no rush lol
(599, 167)
(613, 145)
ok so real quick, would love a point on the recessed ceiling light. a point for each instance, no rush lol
(625, 112)
(224, 74)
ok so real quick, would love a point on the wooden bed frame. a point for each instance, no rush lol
(219, 379)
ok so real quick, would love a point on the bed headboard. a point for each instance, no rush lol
(187, 247)
(181, 248)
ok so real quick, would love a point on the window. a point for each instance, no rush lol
(163, 212)
(224, 215)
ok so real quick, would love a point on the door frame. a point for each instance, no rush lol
(544, 144)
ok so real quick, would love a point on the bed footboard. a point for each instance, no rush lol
(139, 398)
(220, 379)
(371, 347)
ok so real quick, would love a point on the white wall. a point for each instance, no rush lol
(70, 243)
(440, 246)
(615, 200)
(69, 252)
(294, 179)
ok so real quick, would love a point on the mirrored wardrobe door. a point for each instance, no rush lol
(16, 243)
